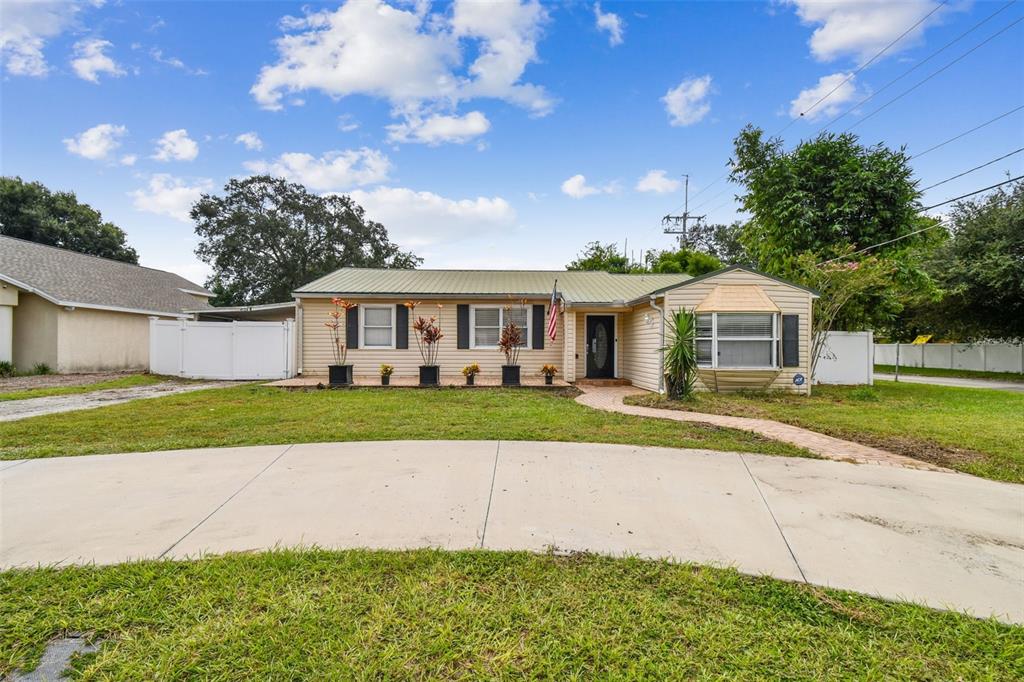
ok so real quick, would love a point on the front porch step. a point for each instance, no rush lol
(604, 382)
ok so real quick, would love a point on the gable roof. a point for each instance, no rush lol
(574, 286)
(69, 278)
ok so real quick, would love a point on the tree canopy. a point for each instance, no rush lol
(607, 258)
(31, 211)
(266, 237)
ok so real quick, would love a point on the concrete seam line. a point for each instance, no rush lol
(221, 505)
(771, 513)
(16, 464)
(490, 495)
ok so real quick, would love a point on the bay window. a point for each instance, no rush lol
(737, 340)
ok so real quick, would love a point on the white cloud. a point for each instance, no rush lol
(844, 93)
(176, 145)
(577, 187)
(97, 142)
(158, 56)
(861, 28)
(610, 22)
(251, 141)
(347, 124)
(90, 60)
(657, 181)
(438, 128)
(335, 171)
(410, 57)
(687, 103)
(416, 219)
(170, 196)
(24, 29)
(129, 160)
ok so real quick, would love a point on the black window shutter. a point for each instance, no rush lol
(352, 328)
(462, 326)
(538, 326)
(790, 340)
(401, 327)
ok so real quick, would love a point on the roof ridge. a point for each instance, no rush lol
(103, 258)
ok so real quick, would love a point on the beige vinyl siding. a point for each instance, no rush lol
(317, 354)
(790, 300)
(640, 342)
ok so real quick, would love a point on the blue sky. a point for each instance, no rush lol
(465, 127)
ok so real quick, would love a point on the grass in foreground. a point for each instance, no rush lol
(978, 431)
(258, 415)
(472, 615)
(121, 382)
(952, 373)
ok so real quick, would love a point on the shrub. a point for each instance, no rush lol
(471, 370)
(387, 370)
(41, 368)
(680, 355)
(549, 370)
(6, 368)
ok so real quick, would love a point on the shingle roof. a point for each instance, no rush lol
(70, 278)
(575, 286)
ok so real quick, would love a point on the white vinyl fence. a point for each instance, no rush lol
(222, 350)
(845, 358)
(982, 357)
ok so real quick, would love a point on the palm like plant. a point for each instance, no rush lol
(681, 355)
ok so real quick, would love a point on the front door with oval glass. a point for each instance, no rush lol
(600, 346)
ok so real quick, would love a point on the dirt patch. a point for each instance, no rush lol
(12, 384)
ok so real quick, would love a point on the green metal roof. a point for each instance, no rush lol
(574, 286)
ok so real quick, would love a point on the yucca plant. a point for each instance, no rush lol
(680, 355)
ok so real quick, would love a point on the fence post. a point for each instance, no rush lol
(897, 361)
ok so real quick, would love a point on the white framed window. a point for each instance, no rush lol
(737, 340)
(376, 326)
(486, 323)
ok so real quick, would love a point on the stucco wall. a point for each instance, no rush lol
(99, 340)
(35, 332)
(790, 300)
(317, 354)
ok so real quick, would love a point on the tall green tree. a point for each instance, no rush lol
(606, 257)
(829, 198)
(683, 260)
(980, 270)
(31, 211)
(266, 237)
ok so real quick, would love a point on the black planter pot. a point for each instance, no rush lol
(548, 378)
(510, 375)
(430, 375)
(470, 379)
(385, 380)
(340, 375)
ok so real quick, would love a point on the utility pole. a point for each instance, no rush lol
(678, 224)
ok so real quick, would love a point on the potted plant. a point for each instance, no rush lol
(428, 340)
(470, 371)
(340, 373)
(385, 374)
(549, 372)
(509, 343)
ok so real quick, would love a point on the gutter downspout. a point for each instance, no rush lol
(661, 349)
(298, 336)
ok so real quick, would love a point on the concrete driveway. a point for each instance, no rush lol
(947, 540)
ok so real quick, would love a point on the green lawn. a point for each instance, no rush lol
(471, 615)
(979, 431)
(257, 415)
(954, 373)
(121, 382)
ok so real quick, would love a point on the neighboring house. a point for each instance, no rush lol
(753, 329)
(81, 313)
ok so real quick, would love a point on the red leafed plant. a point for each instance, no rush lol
(428, 335)
(511, 339)
(336, 325)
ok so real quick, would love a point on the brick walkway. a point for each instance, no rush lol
(610, 399)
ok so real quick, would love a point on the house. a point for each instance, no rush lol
(81, 313)
(753, 330)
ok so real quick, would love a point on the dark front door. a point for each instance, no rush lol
(600, 346)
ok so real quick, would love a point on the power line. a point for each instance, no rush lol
(872, 60)
(960, 175)
(918, 65)
(937, 72)
(968, 132)
(971, 194)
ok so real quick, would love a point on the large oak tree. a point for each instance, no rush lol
(265, 237)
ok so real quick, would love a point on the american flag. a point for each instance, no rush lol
(553, 315)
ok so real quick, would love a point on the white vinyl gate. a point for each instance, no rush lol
(222, 350)
(845, 358)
